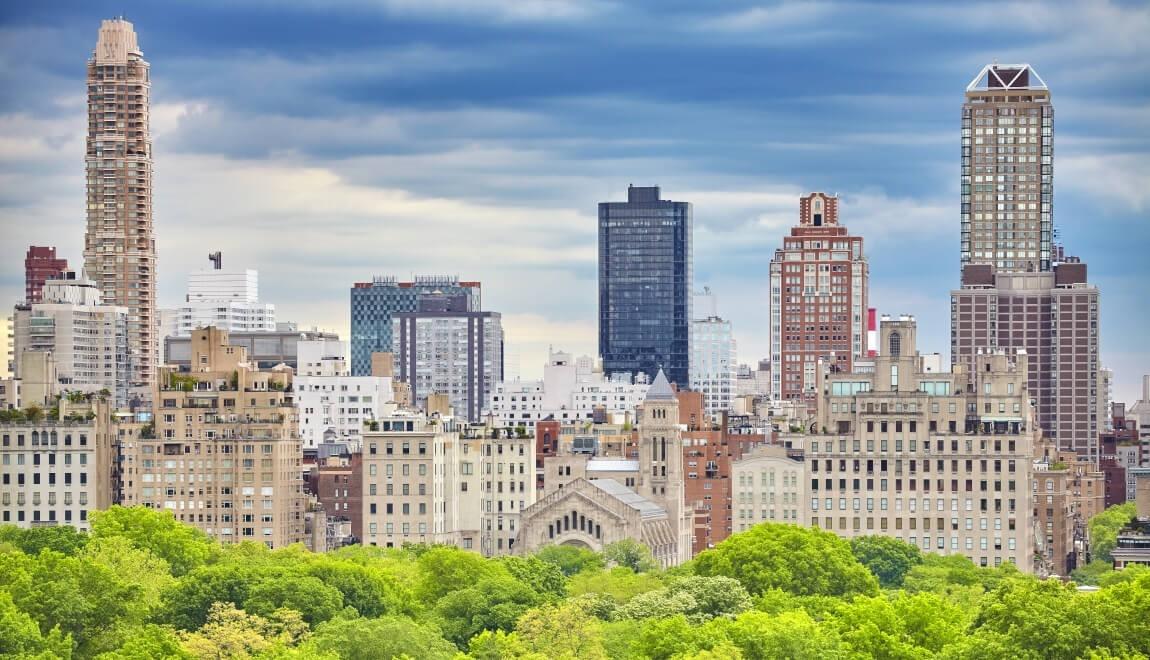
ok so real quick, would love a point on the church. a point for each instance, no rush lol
(603, 500)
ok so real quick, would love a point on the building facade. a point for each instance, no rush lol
(645, 285)
(1018, 290)
(222, 452)
(119, 248)
(819, 284)
(373, 304)
(1008, 170)
(571, 390)
(1054, 316)
(444, 348)
(55, 471)
(714, 362)
(40, 265)
(265, 349)
(939, 460)
(229, 300)
(88, 339)
(769, 484)
(334, 405)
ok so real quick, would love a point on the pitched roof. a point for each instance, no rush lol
(645, 507)
(660, 390)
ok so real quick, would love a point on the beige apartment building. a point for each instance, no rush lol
(409, 490)
(119, 248)
(769, 484)
(54, 471)
(925, 457)
(223, 453)
(436, 480)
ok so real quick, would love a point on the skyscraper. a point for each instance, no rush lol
(1018, 290)
(119, 250)
(1007, 170)
(444, 347)
(713, 355)
(645, 285)
(373, 304)
(40, 265)
(819, 282)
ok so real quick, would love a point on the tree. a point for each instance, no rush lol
(137, 568)
(620, 583)
(148, 642)
(494, 603)
(544, 578)
(658, 604)
(570, 559)
(21, 637)
(499, 645)
(186, 603)
(370, 591)
(233, 633)
(64, 539)
(631, 554)
(184, 547)
(315, 601)
(798, 560)
(1092, 573)
(562, 632)
(1104, 528)
(793, 635)
(444, 569)
(886, 557)
(82, 599)
(714, 596)
(379, 639)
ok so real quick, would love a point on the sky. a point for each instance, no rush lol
(323, 143)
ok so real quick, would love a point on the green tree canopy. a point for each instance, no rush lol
(570, 559)
(795, 559)
(888, 558)
(630, 554)
(1104, 528)
(379, 639)
(184, 547)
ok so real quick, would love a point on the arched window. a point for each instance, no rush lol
(895, 344)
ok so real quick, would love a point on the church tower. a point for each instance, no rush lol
(661, 477)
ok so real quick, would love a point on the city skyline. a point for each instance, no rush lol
(354, 171)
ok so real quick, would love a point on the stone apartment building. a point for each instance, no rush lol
(1068, 490)
(940, 460)
(769, 484)
(54, 471)
(223, 453)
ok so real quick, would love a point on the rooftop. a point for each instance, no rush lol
(644, 506)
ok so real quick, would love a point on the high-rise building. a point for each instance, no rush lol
(119, 249)
(645, 285)
(222, 452)
(1007, 170)
(445, 348)
(714, 360)
(374, 302)
(225, 299)
(40, 265)
(87, 338)
(819, 284)
(1018, 289)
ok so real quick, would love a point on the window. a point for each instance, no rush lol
(895, 344)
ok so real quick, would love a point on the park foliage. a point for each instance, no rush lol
(142, 585)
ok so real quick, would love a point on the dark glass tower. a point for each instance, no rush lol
(373, 304)
(645, 283)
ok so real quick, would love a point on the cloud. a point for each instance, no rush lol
(1118, 181)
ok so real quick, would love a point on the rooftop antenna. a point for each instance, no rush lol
(217, 259)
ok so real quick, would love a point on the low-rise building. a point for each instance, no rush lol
(769, 484)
